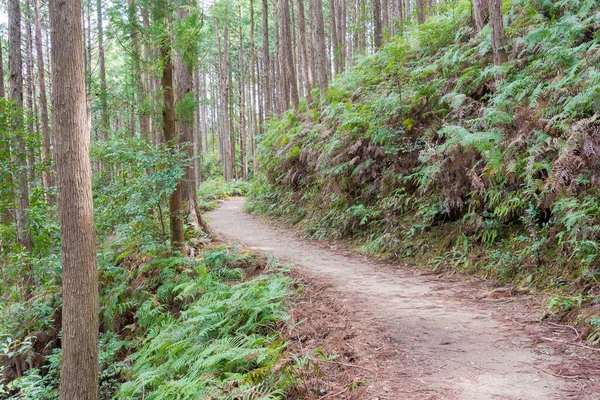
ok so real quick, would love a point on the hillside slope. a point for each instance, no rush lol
(426, 150)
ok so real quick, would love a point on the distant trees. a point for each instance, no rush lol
(303, 45)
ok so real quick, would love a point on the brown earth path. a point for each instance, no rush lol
(445, 337)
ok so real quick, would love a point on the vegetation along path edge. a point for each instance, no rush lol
(450, 339)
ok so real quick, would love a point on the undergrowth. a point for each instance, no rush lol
(427, 151)
(214, 189)
(171, 326)
(197, 329)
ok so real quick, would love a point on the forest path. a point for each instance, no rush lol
(442, 337)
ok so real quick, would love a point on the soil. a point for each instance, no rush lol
(403, 333)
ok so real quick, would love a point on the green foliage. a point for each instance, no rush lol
(212, 190)
(426, 145)
(561, 303)
(594, 336)
(131, 191)
(222, 346)
(145, 294)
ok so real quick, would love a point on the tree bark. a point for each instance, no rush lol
(307, 70)
(199, 124)
(79, 365)
(170, 128)
(318, 41)
(377, 33)
(497, 32)
(147, 78)
(288, 55)
(242, 101)
(15, 66)
(385, 16)
(104, 118)
(420, 11)
(2, 85)
(266, 58)
(30, 93)
(5, 213)
(282, 98)
(253, 98)
(481, 12)
(224, 138)
(342, 28)
(360, 32)
(184, 88)
(144, 116)
(47, 149)
(334, 35)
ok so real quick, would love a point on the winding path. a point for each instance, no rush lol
(451, 338)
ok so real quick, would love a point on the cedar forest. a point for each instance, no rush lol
(459, 136)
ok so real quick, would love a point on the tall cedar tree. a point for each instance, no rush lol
(160, 11)
(79, 365)
(184, 89)
(15, 67)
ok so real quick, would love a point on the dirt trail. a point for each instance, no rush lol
(446, 338)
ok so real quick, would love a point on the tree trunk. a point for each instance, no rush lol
(334, 34)
(79, 364)
(420, 11)
(47, 149)
(229, 116)
(199, 121)
(266, 57)
(318, 41)
(204, 112)
(170, 128)
(184, 88)
(360, 32)
(5, 213)
(104, 118)
(15, 66)
(385, 16)
(261, 115)
(138, 81)
(481, 12)
(253, 99)
(342, 28)
(30, 93)
(2, 85)
(377, 33)
(290, 70)
(306, 68)
(224, 138)
(242, 101)
(88, 54)
(497, 32)
(282, 98)
(147, 80)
